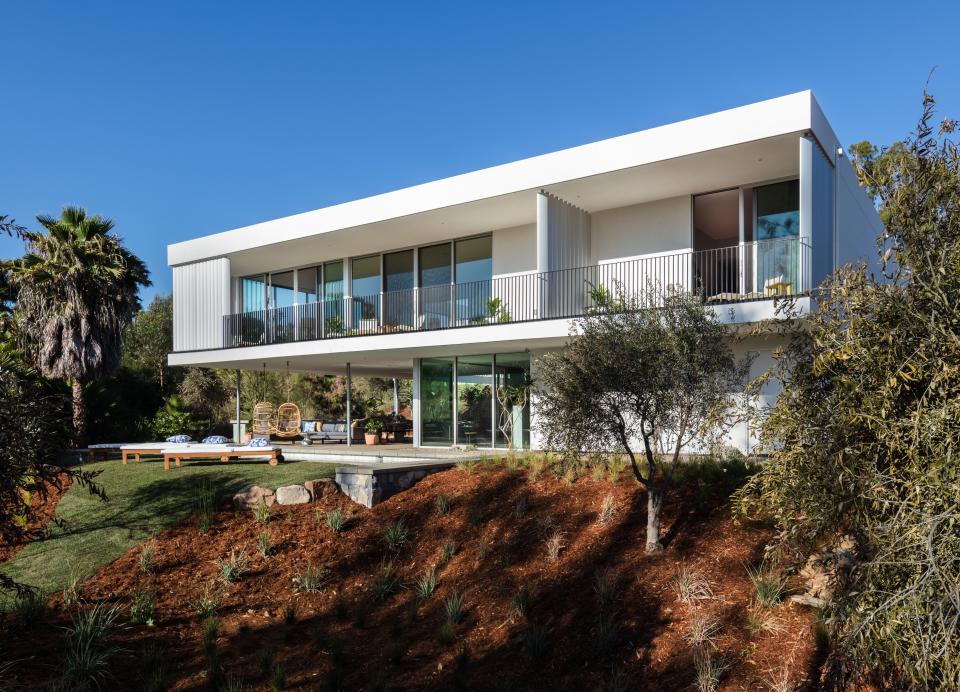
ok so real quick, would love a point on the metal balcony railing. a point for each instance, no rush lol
(750, 271)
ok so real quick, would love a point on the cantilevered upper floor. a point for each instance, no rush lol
(739, 206)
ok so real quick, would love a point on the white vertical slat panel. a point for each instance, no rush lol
(201, 298)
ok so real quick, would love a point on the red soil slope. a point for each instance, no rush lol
(500, 550)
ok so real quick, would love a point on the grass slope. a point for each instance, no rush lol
(143, 500)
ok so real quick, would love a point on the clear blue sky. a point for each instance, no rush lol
(179, 119)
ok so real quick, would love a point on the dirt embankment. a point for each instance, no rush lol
(601, 611)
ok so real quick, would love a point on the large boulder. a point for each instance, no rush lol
(321, 488)
(248, 498)
(292, 495)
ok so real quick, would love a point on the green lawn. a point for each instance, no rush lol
(143, 500)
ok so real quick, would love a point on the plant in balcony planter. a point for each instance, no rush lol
(371, 432)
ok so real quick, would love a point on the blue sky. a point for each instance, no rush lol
(179, 119)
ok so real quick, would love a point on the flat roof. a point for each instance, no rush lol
(793, 113)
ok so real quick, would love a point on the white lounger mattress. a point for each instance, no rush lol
(198, 447)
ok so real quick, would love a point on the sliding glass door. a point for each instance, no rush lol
(475, 400)
(777, 219)
(436, 277)
(436, 401)
(398, 296)
(474, 270)
(480, 401)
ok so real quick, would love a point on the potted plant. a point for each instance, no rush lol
(371, 433)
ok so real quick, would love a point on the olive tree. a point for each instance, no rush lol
(646, 376)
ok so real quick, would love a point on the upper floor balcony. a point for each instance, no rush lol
(759, 270)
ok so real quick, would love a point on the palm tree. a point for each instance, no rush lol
(76, 291)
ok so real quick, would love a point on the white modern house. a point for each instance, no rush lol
(460, 283)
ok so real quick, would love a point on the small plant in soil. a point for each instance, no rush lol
(620, 680)
(86, 652)
(606, 635)
(261, 513)
(426, 584)
(73, 591)
(468, 466)
(278, 677)
(29, 608)
(604, 588)
(442, 504)
(335, 520)
(607, 510)
(555, 543)
(204, 504)
(234, 566)
(447, 552)
(475, 514)
(703, 631)
(396, 535)
(145, 558)
(520, 603)
(311, 580)
(690, 586)
(780, 681)
(446, 634)
(264, 545)
(767, 586)
(535, 639)
(290, 614)
(153, 664)
(209, 632)
(519, 508)
(386, 582)
(142, 608)
(758, 620)
(207, 600)
(484, 546)
(709, 670)
(453, 607)
(264, 659)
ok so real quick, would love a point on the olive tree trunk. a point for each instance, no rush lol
(654, 509)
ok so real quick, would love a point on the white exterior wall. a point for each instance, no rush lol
(515, 251)
(743, 435)
(857, 226)
(642, 229)
(201, 297)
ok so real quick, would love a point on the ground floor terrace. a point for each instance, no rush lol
(470, 394)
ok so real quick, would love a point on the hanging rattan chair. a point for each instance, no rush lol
(264, 419)
(288, 420)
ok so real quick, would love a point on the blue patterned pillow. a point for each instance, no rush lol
(259, 442)
(215, 440)
(178, 438)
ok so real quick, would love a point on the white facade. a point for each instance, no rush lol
(739, 206)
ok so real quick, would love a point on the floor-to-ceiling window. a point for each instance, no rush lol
(436, 276)
(436, 401)
(491, 407)
(365, 291)
(332, 316)
(475, 400)
(398, 286)
(512, 405)
(254, 293)
(473, 271)
(777, 221)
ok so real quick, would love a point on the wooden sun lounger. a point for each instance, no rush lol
(224, 454)
(139, 449)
